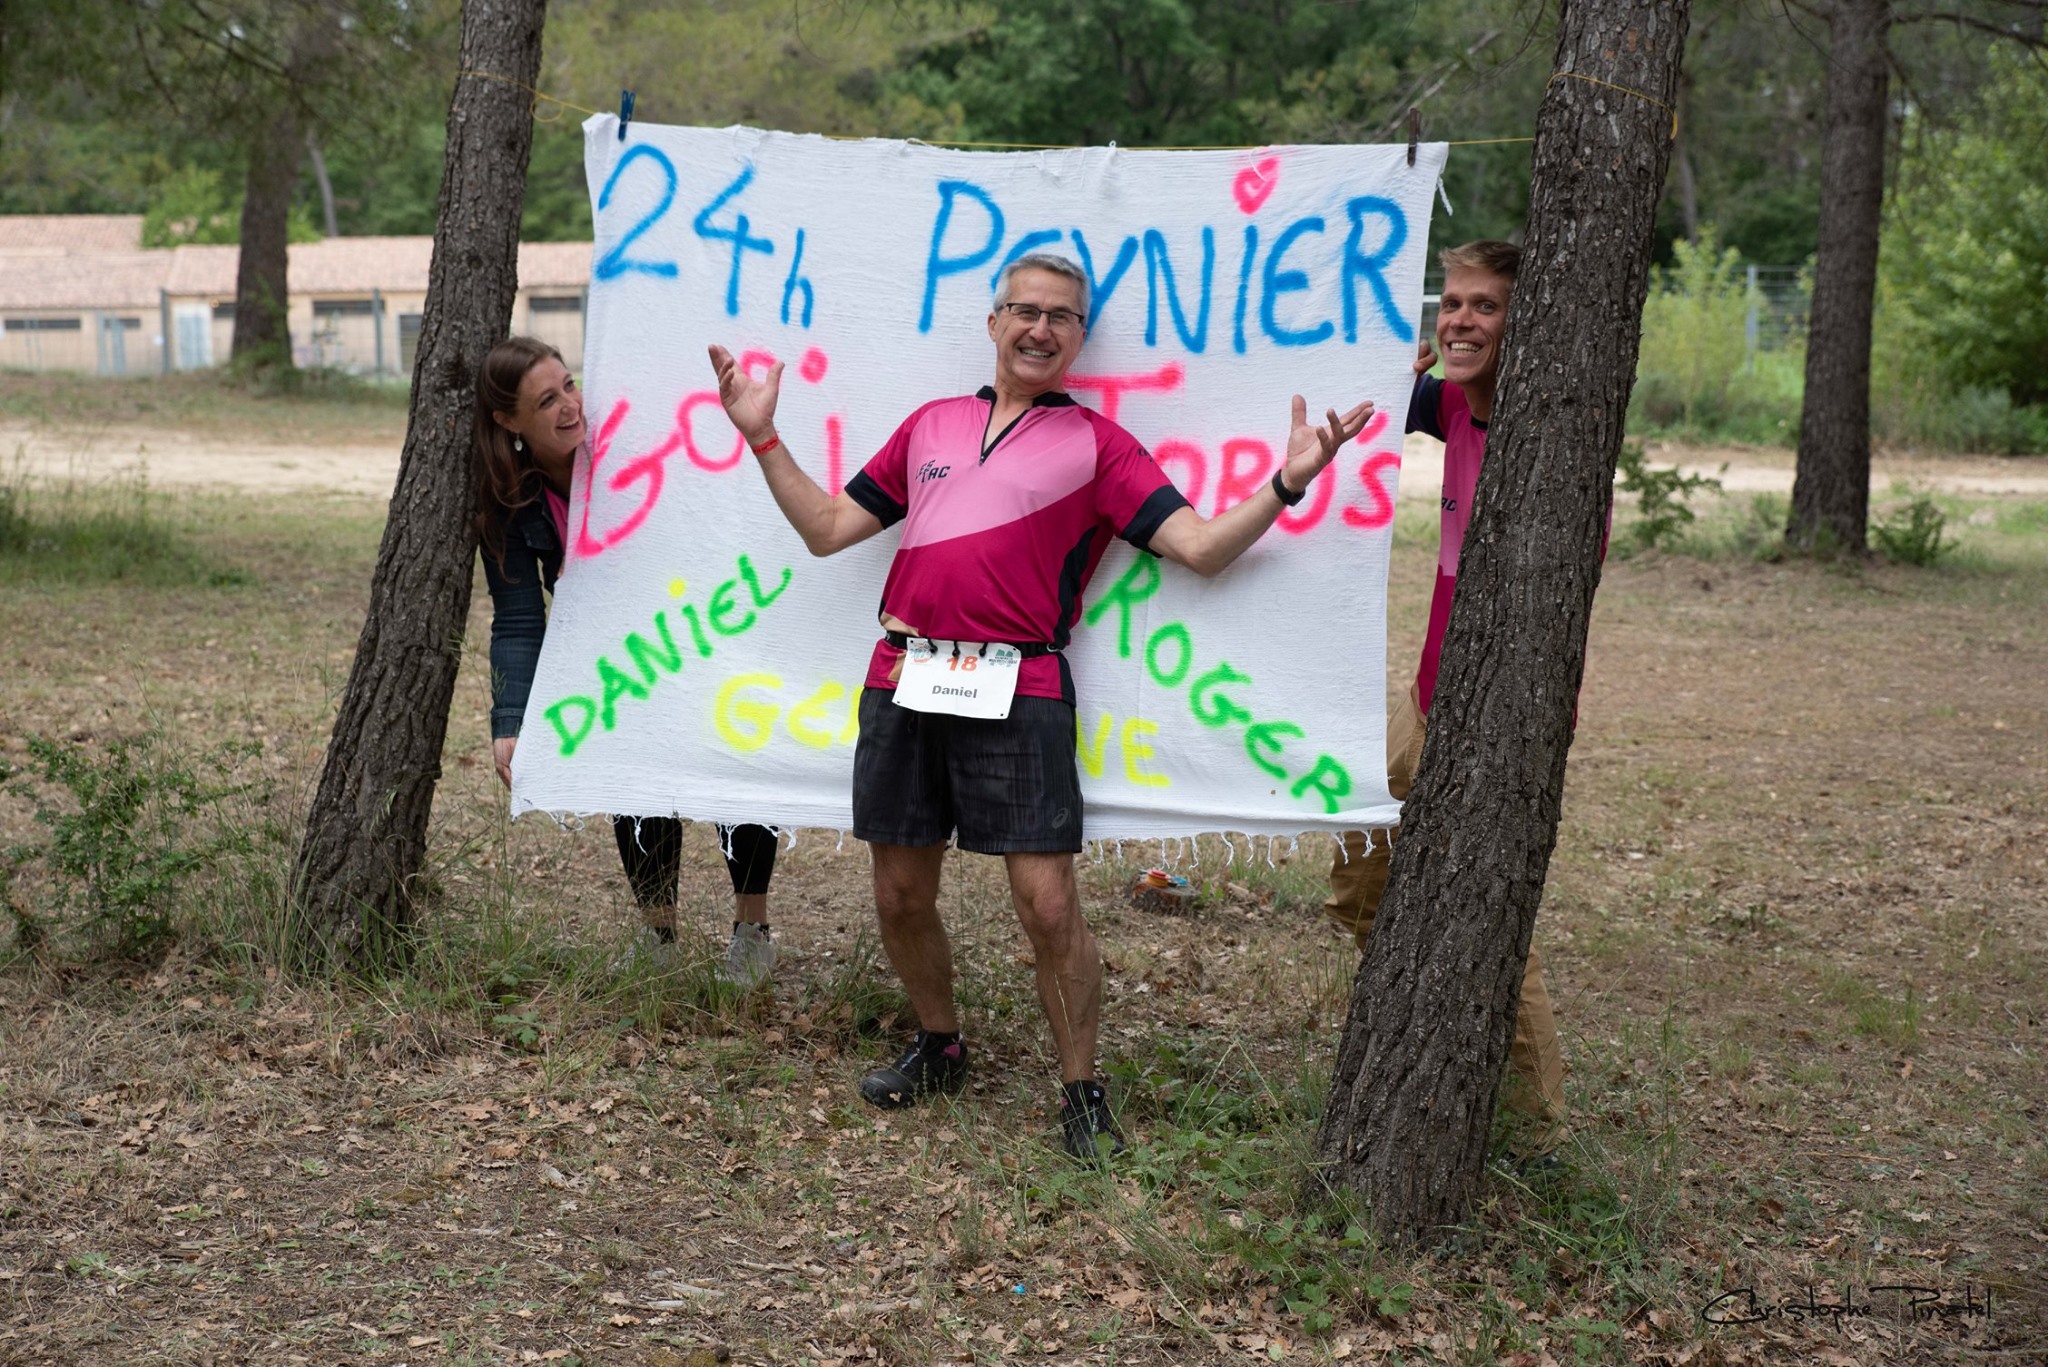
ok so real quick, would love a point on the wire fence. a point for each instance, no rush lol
(1780, 298)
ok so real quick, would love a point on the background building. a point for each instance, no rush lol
(80, 293)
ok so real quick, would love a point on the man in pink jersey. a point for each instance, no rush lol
(1455, 410)
(1008, 498)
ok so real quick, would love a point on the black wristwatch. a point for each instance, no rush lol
(1290, 497)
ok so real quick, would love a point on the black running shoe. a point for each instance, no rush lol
(926, 1067)
(1086, 1126)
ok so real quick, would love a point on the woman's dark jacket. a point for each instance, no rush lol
(519, 615)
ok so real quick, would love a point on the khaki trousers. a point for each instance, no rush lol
(1358, 878)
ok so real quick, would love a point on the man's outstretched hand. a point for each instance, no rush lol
(1309, 449)
(749, 402)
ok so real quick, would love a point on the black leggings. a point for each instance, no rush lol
(651, 848)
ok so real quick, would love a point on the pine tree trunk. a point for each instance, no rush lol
(1831, 488)
(1433, 1006)
(276, 142)
(262, 336)
(367, 831)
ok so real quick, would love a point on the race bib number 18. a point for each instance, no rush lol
(961, 678)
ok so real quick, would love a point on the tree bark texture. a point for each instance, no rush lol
(366, 834)
(262, 334)
(1831, 486)
(1433, 1006)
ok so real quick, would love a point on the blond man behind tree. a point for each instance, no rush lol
(1478, 278)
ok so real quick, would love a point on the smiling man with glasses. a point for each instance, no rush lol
(1060, 320)
(1008, 498)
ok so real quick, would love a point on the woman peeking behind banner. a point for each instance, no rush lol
(529, 432)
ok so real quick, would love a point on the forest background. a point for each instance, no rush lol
(108, 120)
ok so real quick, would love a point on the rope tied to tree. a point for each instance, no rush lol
(1557, 76)
(538, 96)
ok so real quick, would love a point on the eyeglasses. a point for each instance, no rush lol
(1059, 319)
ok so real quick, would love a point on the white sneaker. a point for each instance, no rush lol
(749, 959)
(648, 948)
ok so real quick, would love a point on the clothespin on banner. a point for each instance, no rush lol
(1414, 131)
(626, 117)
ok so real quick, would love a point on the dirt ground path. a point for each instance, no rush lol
(169, 457)
(282, 465)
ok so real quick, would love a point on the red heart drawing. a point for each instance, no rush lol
(1254, 184)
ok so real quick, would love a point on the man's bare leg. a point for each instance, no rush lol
(1069, 964)
(913, 936)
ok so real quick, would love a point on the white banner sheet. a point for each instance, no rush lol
(699, 662)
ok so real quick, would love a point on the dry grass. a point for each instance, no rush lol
(1794, 923)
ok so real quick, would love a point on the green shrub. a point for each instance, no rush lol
(1960, 356)
(1911, 407)
(127, 824)
(1693, 334)
(1912, 534)
(1964, 256)
(1695, 373)
(1663, 498)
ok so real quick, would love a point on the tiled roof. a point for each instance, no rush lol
(204, 271)
(554, 265)
(357, 265)
(338, 265)
(70, 233)
(100, 280)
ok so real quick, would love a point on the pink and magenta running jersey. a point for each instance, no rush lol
(1000, 546)
(558, 514)
(1440, 410)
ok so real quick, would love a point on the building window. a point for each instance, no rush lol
(128, 324)
(43, 325)
(408, 340)
(555, 303)
(225, 312)
(344, 308)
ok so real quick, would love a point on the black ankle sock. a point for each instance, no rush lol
(935, 1041)
(665, 934)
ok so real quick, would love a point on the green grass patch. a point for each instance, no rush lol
(1892, 1018)
(314, 403)
(1738, 529)
(116, 531)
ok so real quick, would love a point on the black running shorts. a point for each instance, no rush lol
(1008, 787)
